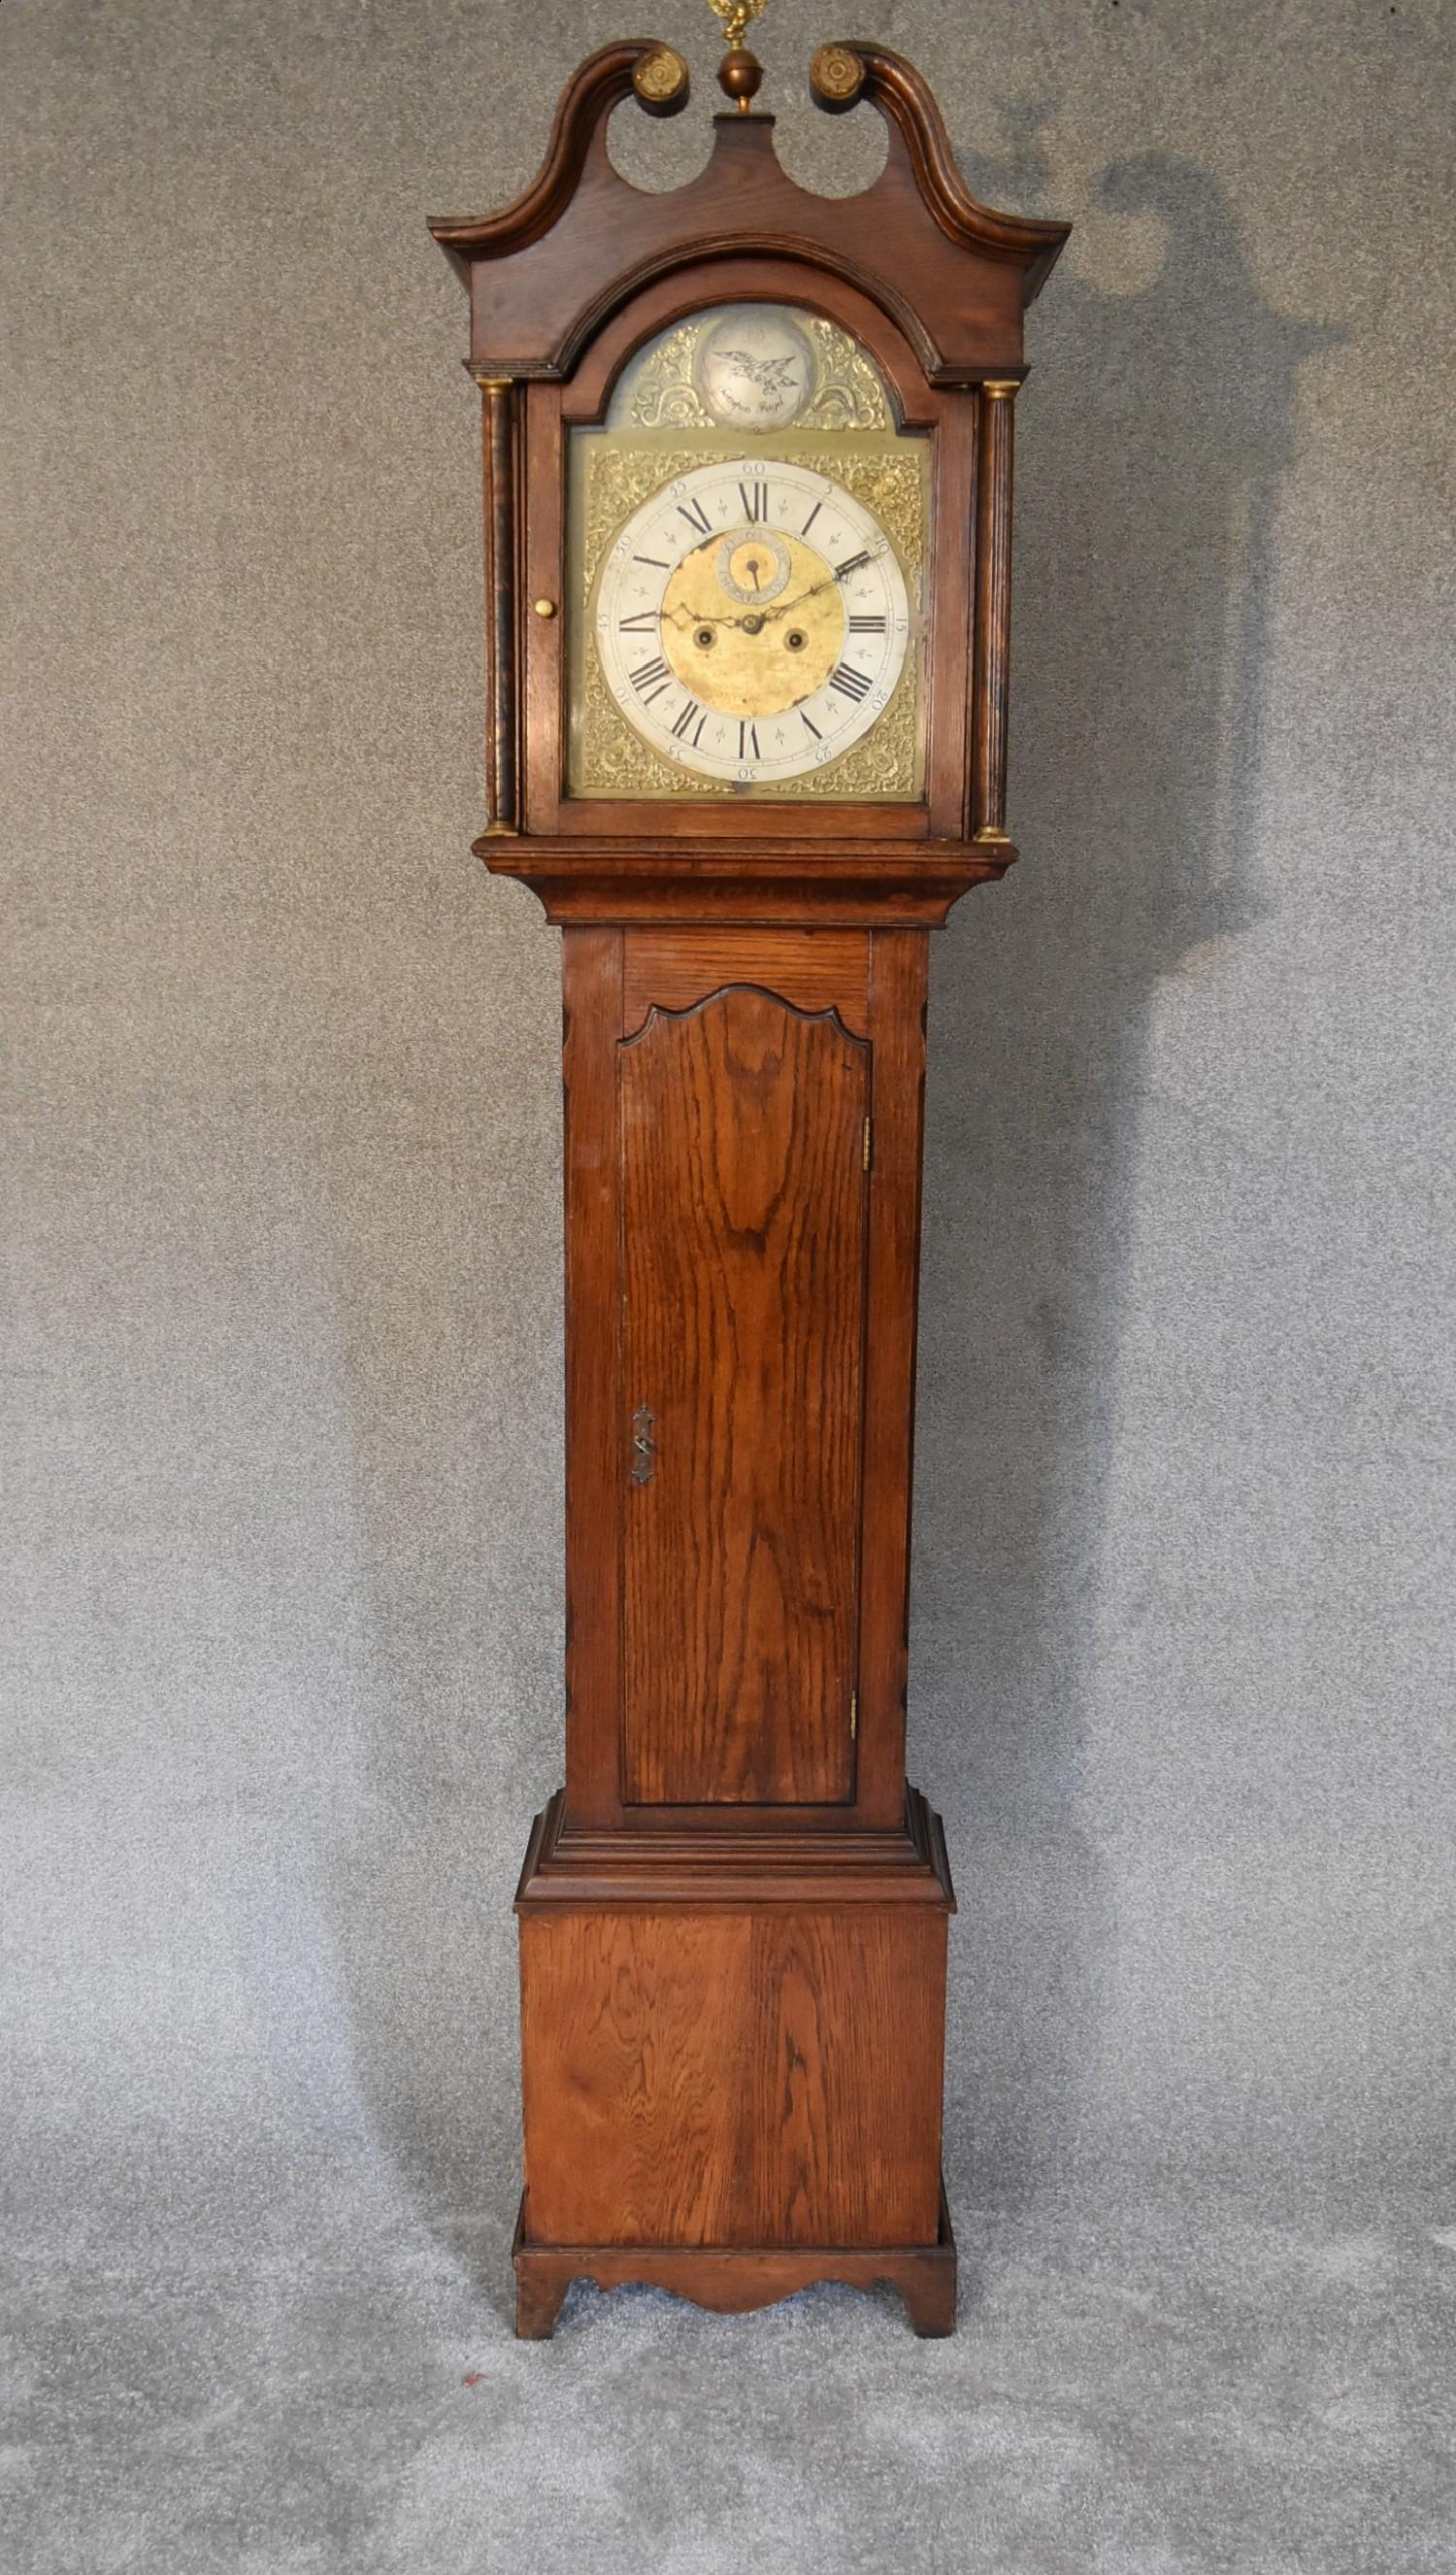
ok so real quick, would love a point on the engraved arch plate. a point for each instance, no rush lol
(744, 1199)
(752, 368)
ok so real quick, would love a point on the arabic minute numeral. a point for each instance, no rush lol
(850, 684)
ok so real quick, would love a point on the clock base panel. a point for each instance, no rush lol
(744, 2079)
(735, 2280)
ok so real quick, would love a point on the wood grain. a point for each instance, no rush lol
(714, 1855)
(592, 1012)
(666, 1613)
(660, 879)
(897, 990)
(732, 2282)
(546, 272)
(822, 970)
(744, 1236)
(764, 2076)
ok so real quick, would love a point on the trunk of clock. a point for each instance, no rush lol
(732, 1920)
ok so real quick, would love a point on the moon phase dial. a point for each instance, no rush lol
(752, 620)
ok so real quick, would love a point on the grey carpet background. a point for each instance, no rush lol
(282, 1232)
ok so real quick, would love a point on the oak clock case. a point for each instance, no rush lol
(747, 459)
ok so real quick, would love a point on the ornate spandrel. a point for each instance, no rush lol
(607, 757)
(662, 387)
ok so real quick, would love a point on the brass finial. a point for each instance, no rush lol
(661, 82)
(837, 77)
(740, 72)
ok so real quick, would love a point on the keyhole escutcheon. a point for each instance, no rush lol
(644, 1447)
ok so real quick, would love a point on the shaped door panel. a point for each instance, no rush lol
(743, 1211)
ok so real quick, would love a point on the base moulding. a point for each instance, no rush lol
(734, 2279)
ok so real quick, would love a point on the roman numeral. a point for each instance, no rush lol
(810, 725)
(813, 513)
(680, 729)
(748, 740)
(646, 623)
(652, 677)
(695, 516)
(755, 501)
(850, 684)
(852, 565)
(654, 561)
(866, 624)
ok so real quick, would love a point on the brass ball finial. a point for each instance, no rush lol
(739, 73)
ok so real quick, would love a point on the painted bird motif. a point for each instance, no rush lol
(770, 375)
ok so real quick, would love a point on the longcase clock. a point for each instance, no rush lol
(748, 467)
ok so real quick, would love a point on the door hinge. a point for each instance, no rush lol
(866, 1143)
(853, 1714)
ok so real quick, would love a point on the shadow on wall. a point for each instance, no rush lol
(1151, 456)
(1152, 445)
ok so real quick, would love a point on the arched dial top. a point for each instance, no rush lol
(750, 528)
(752, 620)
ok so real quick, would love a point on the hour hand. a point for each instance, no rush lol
(684, 617)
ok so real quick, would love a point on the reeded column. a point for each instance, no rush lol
(498, 397)
(992, 612)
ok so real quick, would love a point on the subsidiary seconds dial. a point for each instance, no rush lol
(752, 620)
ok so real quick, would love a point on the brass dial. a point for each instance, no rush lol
(752, 619)
(775, 646)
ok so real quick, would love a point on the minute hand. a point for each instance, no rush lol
(829, 581)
